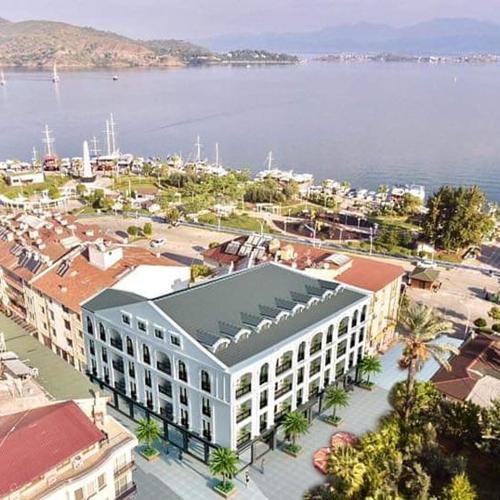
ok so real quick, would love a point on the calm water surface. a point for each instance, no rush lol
(369, 124)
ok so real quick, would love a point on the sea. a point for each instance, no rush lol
(369, 124)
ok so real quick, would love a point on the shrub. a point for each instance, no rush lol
(147, 229)
(496, 327)
(494, 313)
(132, 230)
(480, 322)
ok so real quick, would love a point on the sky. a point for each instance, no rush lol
(195, 19)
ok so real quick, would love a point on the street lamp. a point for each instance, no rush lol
(261, 227)
(341, 230)
(371, 240)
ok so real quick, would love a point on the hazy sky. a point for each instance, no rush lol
(192, 19)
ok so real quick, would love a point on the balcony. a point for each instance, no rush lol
(120, 386)
(207, 435)
(315, 348)
(244, 438)
(314, 369)
(284, 367)
(185, 423)
(164, 367)
(117, 343)
(128, 492)
(243, 414)
(118, 366)
(283, 390)
(245, 389)
(165, 389)
(280, 414)
(124, 468)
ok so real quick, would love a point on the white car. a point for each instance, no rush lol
(159, 242)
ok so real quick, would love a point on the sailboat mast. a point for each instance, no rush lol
(112, 133)
(216, 154)
(48, 141)
(270, 160)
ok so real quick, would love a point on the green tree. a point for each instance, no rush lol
(421, 324)
(173, 214)
(346, 466)
(147, 229)
(223, 462)
(294, 425)
(461, 421)
(370, 365)
(494, 313)
(426, 401)
(491, 429)
(80, 189)
(335, 397)
(132, 230)
(410, 205)
(53, 192)
(200, 270)
(460, 488)
(457, 218)
(147, 432)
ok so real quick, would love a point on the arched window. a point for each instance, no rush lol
(354, 320)
(316, 343)
(145, 354)
(205, 381)
(264, 374)
(344, 326)
(163, 363)
(102, 332)
(90, 326)
(301, 352)
(183, 371)
(130, 347)
(363, 313)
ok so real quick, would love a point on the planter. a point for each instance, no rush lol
(335, 421)
(368, 386)
(293, 451)
(149, 454)
(226, 493)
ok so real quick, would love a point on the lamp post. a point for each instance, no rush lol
(371, 240)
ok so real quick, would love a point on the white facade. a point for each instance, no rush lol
(140, 350)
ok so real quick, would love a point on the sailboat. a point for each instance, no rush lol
(3, 81)
(55, 76)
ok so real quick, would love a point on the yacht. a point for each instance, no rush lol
(55, 76)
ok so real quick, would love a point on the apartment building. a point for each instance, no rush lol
(382, 280)
(70, 450)
(50, 264)
(225, 360)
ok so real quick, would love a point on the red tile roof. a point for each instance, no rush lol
(33, 442)
(480, 356)
(83, 280)
(370, 274)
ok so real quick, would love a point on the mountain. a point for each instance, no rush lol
(37, 44)
(437, 37)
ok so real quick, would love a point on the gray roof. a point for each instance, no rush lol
(239, 302)
(112, 298)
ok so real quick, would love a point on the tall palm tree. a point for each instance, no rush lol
(421, 324)
(295, 424)
(335, 397)
(148, 431)
(224, 463)
(370, 365)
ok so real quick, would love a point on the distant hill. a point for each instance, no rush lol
(439, 37)
(38, 44)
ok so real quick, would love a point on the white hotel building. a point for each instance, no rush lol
(226, 359)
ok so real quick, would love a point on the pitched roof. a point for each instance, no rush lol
(221, 309)
(478, 357)
(83, 280)
(33, 442)
(370, 274)
(425, 274)
(110, 298)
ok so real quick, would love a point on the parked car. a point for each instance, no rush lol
(158, 242)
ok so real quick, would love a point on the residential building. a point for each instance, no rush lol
(226, 359)
(383, 280)
(49, 265)
(474, 374)
(23, 177)
(70, 450)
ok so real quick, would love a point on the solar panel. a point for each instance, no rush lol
(245, 250)
(232, 248)
(260, 253)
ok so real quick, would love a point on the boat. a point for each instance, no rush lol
(3, 81)
(115, 78)
(55, 76)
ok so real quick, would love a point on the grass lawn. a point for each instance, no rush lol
(31, 189)
(400, 222)
(236, 221)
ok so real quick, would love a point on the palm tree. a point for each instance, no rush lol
(370, 366)
(295, 424)
(346, 466)
(148, 431)
(335, 397)
(224, 463)
(421, 325)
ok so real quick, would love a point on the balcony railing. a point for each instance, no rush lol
(283, 390)
(315, 348)
(263, 403)
(120, 385)
(244, 438)
(117, 343)
(118, 366)
(164, 367)
(207, 435)
(205, 386)
(124, 468)
(165, 389)
(283, 367)
(314, 369)
(280, 414)
(242, 415)
(206, 411)
(241, 391)
(128, 492)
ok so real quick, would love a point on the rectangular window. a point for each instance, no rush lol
(175, 340)
(67, 324)
(101, 481)
(329, 335)
(141, 325)
(342, 348)
(79, 494)
(159, 333)
(126, 319)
